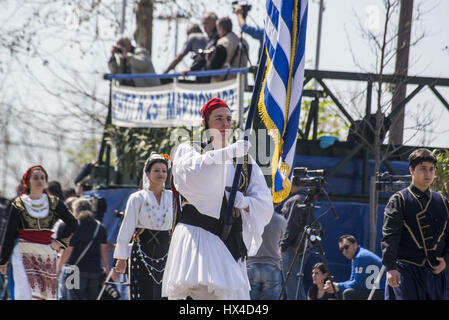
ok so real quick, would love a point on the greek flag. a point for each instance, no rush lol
(281, 92)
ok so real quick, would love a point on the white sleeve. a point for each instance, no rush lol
(260, 210)
(200, 178)
(128, 226)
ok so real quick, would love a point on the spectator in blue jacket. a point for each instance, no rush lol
(255, 32)
(365, 267)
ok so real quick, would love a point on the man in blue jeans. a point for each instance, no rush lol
(264, 269)
(297, 218)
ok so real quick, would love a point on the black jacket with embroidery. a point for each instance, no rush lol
(415, 228)
(19, 218)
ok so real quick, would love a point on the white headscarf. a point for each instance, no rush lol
(153, 156)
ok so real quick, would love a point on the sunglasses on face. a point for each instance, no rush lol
(315, 273)
(345, 247)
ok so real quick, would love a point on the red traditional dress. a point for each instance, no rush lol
(27, 245)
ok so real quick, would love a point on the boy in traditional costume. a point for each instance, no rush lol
(415, 244)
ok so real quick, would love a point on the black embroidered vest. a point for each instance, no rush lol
(190, 215)
(424, 229)
(28, 222)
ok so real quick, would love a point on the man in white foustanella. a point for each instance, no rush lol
(200, 265)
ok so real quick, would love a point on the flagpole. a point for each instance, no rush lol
(249, 120)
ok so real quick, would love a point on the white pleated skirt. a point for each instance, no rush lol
(200, 266)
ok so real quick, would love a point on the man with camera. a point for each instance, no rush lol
(196, 41)
(128, 59)
(241, 11)
(231, 50)
(298, 216)
(208, 21)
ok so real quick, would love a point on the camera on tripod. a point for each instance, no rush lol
(314, 232)
(309, 178)
(386, 182)
(98, 204)
(245, 7)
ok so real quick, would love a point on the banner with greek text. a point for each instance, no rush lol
(171, 105)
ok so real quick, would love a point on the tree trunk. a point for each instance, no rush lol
(373, 199)
(401, 70)
(374, 194)
(144, 24)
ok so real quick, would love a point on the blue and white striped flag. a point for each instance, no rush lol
(281, 92)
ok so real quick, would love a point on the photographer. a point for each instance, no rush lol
(199, 61)
(235, 53)
(297, 218)
(257, 33)
(195, 41)
(320, 274)
(127, 59)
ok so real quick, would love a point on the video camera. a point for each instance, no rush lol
(119, 214)
(309, 178)
(315, 232)
(98, 204)
(386, 182)
(245, 7)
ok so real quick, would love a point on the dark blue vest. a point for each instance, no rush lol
(424, 229)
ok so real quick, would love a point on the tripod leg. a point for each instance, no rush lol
(301, 272)
(291, 267)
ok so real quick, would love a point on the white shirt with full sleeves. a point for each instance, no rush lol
(198, 258)
(143, 211)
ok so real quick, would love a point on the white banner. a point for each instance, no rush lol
(171, 105)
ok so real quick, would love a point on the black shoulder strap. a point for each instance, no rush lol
(90, 243)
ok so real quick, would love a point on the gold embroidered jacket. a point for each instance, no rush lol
(20, 219)
(415, 228)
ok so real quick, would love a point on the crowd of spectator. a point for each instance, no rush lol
(216, 46)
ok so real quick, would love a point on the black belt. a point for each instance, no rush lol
(234, 243)
(148, 236)
(191, 216)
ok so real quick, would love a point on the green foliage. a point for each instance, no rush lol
(330, 123)
(85, 154)
(441, 182)
(132, 146)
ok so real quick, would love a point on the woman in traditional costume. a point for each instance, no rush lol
(147, 221)
(28, 243)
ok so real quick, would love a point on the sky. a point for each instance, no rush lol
(343, 48)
